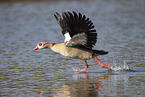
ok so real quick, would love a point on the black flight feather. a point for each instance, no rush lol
(74, 24)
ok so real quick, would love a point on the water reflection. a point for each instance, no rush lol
(91, 84)
(40, 92)
(83, 85)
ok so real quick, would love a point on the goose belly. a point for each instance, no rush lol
(72, 52)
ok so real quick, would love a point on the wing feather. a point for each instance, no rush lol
(81, 29)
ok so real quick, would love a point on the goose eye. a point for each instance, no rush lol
(40, 44)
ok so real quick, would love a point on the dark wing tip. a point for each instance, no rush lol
(76, 23)
(58, 17)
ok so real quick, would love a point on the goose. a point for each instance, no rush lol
(80, 37)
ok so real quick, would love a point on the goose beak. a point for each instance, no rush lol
(36, 48)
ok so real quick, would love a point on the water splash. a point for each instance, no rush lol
(117, 67)
(75, 69)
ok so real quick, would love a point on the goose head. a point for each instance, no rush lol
(43, 45)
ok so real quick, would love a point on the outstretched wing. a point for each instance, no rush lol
(77, 29)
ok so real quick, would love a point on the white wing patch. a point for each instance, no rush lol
(67, 37)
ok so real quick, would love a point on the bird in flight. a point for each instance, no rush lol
(79, 39)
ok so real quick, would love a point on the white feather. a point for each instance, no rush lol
(67, 37)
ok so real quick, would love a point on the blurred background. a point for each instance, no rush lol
(120, 25)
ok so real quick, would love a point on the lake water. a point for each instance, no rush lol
(26, 73)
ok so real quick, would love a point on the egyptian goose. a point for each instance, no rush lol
(80, 37)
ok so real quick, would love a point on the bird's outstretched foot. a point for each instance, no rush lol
(105, 66)
(83, 70)
(102, 64)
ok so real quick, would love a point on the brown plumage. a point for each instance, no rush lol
(80, 37)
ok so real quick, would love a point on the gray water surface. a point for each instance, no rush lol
(26, 73)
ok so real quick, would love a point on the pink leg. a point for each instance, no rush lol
(83, 69)
(102, 64)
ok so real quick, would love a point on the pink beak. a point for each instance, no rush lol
(36, 48)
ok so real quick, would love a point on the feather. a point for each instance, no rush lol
(81, 29)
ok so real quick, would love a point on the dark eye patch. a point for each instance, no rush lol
(40, 44)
